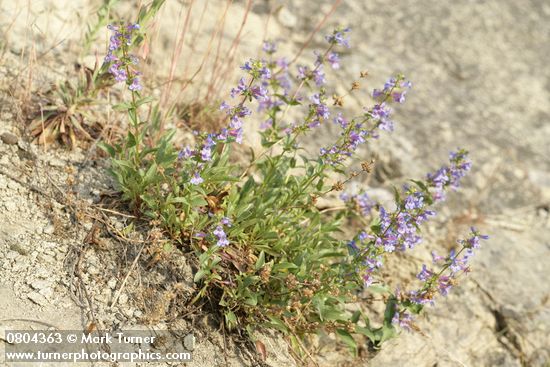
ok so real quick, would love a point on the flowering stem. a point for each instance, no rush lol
(263, 153)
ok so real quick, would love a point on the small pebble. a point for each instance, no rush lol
(49, 229)
(37, 298)
(9, 138)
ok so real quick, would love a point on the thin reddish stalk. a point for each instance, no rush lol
(216, 62)
(206, 55)
(176, 53)
(220, 78)
(317, 28)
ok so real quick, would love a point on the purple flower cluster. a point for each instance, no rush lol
(319, 111)
(317, 74)
(355, 132)
(258, 91)
(269, 47)
(396, 88)
(235, 114)
(399, 230)
(403, 319)
(381, 113)
(340, 120)
(354, 135)
(370, 262)
(196, 179)
(449, 175)
(121, 62)
(437, 282)
(362, 202)
(258, 69)
(332, 57)
(338, 37)
(220, 234)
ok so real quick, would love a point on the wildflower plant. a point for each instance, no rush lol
(264, 253)
(68, 117)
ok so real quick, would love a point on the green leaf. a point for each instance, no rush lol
(368, 333)
(230, 319)
(388, 332)
(107, 148)
(252, 299)
(278, 324)
(197, 201)
(348, 340)
(131, 140)
(199, 275)
(261, 261)
(150, 174)
(284, 266)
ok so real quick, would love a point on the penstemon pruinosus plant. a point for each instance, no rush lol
(68, 116)
(266, 255)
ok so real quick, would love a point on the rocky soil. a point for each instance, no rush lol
(481, 82)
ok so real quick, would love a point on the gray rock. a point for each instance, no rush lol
(49, 229)
(123, 299)
(189, 342)
(40, 284)
(37, 298)
(112, 283)
(9, 138)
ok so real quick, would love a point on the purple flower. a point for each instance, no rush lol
(247, 66)
(226, 221)
(436, 258)
(424, 274)
(377, 93)
(266, 124)
(414, 201)
(110, 57)
(265, 73)
(118, 72)
(259, 92)
(135, 86)
(449, 175)
(303, 72)
(473, 240)
(340, 120)
(403, 319)
(115, 41)
(185, 153)
(269, 47)
(320, 109)
(381, 113)
(338, 37)
(222, 237)
(334, 60)
(285, 82)
(444, 284)
(319, 76)
(399, 97)
(196, 179)
(282, 63)
(396, 88)
(240, 89)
